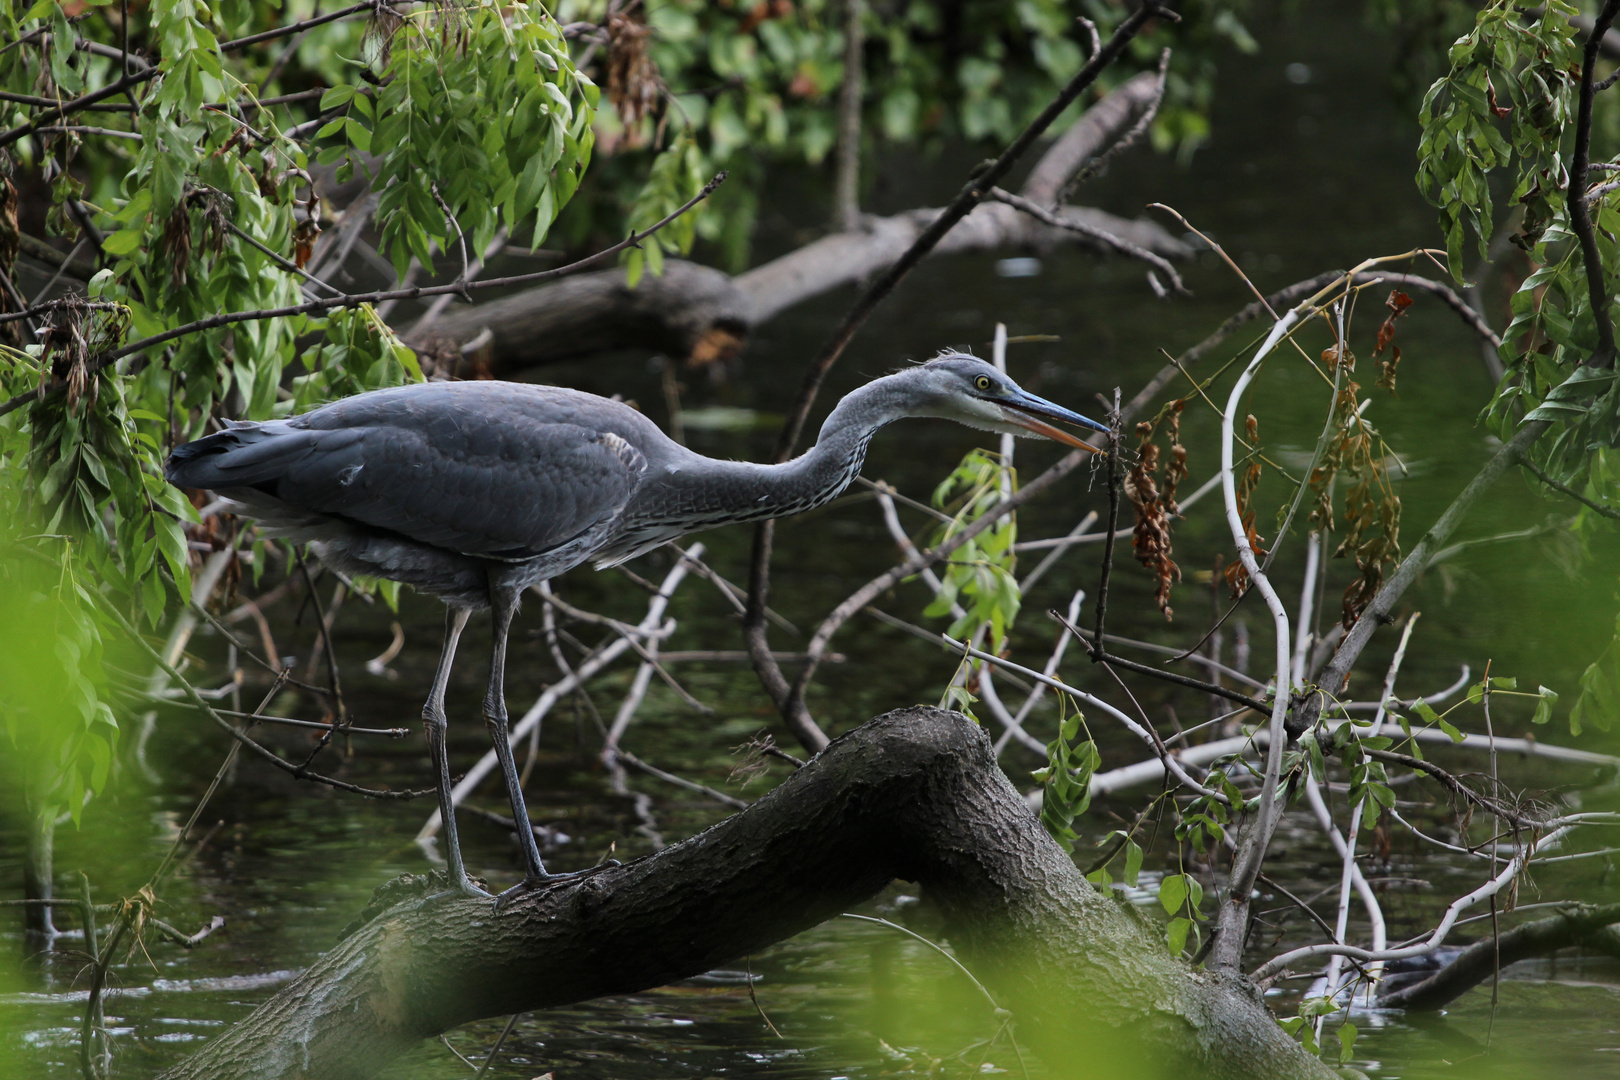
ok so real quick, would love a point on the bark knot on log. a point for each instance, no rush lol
(914, 794)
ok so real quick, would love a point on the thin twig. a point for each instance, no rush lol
(1127, 140)
(1580, 215)
(937, 948)
(489, 1058)
(257, 749)
(461, 239)
(1099, 655)
(1115, 422)
(1534, 470)
(1091, 232)
(286, 264)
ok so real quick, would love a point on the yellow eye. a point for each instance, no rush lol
(982, 382)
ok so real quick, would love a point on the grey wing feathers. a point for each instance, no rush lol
(467, 472)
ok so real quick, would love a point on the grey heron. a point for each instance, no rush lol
(474, 491)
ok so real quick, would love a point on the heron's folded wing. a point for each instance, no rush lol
(498, 483)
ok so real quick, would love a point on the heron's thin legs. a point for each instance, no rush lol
(435, 722)
(503, 604)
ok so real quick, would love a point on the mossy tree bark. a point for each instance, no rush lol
(915, 794)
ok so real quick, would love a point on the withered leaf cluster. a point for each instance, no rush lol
(78, 331)
(199, 222)
(385, 22)
(632, 77)
(1372, 510)
(1397, 304)
(1155, 507)
(1237, 576)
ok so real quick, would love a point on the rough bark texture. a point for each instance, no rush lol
(915, 794)
(700, 314)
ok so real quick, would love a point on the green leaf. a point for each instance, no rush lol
(359, 136)
(337, 96)
(1133, 861)
(1173, 892)
(123, 242)
(1175, 935)
(1347, 1041)
(1545, 700)
(1451, 732)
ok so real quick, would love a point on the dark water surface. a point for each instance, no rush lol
(1300, 176)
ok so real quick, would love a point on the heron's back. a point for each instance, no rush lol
(435, 475)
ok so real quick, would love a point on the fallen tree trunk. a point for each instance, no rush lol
(915, 794)
(700, 314)
(1592, 927)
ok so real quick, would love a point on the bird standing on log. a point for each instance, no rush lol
(474, 491)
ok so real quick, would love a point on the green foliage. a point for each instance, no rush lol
(1599, 703)
(207, 213)
(1507, 105)
(979, 575)
(1066, 779)
(1203, 821)
(479, 102)
(59, 731)
(1521, 76)
(1181, 895)
(1523, 71)
(756, 84)
(1347, 1041)
(1304, 1025)
(677, 175)
(1423, 31)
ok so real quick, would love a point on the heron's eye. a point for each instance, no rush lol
(982, 383)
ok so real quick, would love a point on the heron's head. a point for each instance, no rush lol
(964, 388)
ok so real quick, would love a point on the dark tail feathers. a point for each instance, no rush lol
(203, 463)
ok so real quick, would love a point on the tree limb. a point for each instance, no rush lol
(1580, 925)
(915, 794)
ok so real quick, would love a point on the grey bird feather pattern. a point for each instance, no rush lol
(474, 491)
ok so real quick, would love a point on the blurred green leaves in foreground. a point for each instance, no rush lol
(59, 728)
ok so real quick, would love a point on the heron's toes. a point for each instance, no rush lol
(544, 882)
(463, 890)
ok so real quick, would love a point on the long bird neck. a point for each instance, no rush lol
(706, 491)
(831, 465)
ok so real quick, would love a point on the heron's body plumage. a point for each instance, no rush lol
(473, 491)
(445, 485)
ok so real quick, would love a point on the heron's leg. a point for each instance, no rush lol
(503, 604)
(435, 722)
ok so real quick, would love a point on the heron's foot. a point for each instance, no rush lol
(463, 890)
(536, 883)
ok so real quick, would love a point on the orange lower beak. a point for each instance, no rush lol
(1057, 435)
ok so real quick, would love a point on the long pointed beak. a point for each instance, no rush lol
(1031, 412)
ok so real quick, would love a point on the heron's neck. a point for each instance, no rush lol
(831, 465)
(712, 492)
